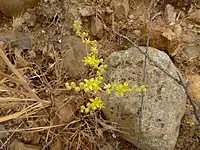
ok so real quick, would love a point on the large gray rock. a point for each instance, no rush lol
(164, 101)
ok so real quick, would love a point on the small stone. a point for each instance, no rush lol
(194, 87)
(137, 33)
(30, 19)
(75, 51)
(96, 27)
(65, 111)
(109, 10)
(170, 14)
(121, 8)
(43, 31)
(177, 30)
(162, 38)
(87, 11)
(131, 16)
(190, 26)
(32, 54)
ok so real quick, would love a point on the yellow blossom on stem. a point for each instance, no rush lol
(92, 85)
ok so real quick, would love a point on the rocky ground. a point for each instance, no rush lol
(41, 45)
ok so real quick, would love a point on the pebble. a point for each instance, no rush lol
(86, 11)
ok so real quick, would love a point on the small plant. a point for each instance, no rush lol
(94, 84)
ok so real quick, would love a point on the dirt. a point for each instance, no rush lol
(39, 58)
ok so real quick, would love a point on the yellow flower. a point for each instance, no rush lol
(96, 103)
(94, 43)
(84, 34)
(135, 86)
(87, 41)
(82, 109)
(94, 84)
(78, 33)
(139, 90)
(73, 85)
(66, 84)
(87, 110)
(88, 105)
(126, 84)
(108, 88)
(143, 88)
(68, 88)
(86, 90)
(94, 50)
(93, 106)
(81, 84)
(77, 89)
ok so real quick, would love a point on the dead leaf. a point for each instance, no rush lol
(17, 145)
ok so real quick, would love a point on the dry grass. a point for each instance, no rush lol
(20, 80)
(37, 107)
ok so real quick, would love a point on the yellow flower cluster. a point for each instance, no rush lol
(94, 84)
(89, 85)
(121, 89)
(94, 104)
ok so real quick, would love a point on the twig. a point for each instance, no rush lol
(7, 140)
(10, 77)
(30, 109)
(24, 83)
(8, 89)
(33, 129)
(140, 112)
(13, 99)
